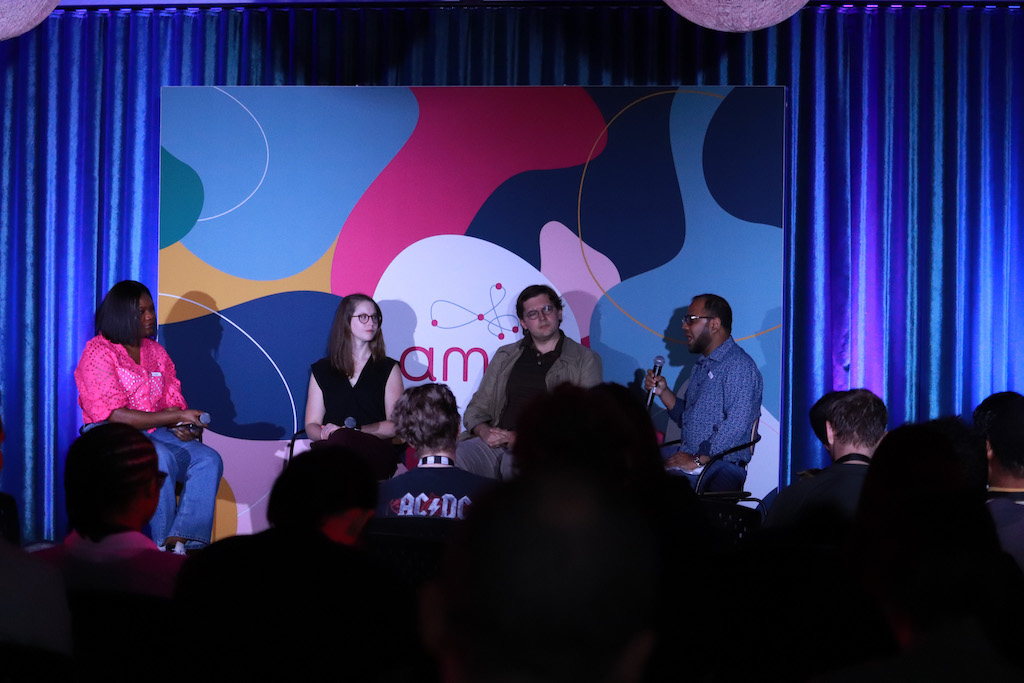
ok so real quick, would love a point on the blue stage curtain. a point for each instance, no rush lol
(904, 265)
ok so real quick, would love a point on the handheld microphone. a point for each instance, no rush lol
(350, 423)
(659, 363)
(205, 419)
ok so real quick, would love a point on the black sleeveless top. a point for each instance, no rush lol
(364, 401)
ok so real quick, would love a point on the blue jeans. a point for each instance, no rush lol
(722, 475)
(199, 469)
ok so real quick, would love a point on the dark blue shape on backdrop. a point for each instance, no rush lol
(226, 374)
(631, 183)
(746, 130)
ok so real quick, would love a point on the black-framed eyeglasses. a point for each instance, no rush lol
(366, 317)
(547, 310)
(691, 319)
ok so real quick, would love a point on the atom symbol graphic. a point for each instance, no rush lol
(448, 315)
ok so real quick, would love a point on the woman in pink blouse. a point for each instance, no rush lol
(126, 376)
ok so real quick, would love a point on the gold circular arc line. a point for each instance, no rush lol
(579, 211)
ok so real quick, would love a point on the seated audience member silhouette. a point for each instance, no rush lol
(112, 486)
(602, 429)
(796, 571)
(1000, 420)
(118, 582)
(553, 578)
(604, 434)
(427, 418)
(299, 601)
(818, 416)
(35, 623)
(854, 425)
(125, 376)
(927, 551)
(10, 529)
(969, 446)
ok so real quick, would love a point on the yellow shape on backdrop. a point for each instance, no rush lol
(225, 514)
(182, 272)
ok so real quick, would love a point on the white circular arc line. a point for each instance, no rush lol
(266, 167)
(248, 336)
(291, 399)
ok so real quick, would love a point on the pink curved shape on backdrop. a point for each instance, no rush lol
(466, 143)
(576, 279)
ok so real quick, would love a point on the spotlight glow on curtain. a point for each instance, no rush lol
(905, 266)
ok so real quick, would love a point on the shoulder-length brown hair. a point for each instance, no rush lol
(339, 345)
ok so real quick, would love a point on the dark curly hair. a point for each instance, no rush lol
(537, 290)
(427, 417)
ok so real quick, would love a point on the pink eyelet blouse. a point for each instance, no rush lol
(109, 379)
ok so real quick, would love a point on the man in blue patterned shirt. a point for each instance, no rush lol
(721, 399)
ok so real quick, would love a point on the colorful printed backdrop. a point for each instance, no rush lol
(443, 204)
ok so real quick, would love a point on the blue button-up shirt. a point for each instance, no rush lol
(721, 403)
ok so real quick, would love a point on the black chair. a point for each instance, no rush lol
(730, 522)
(728, 518)
(410, 547)
(123, 636)
(383, 457)
(301, 434)
(10, 528)
(27, 664)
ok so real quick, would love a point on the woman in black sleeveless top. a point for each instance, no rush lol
(356, 380)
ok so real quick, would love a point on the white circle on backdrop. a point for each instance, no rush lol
(457, 296)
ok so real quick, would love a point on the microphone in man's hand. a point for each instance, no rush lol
(659, 363)
(204, 418)
(350, 423)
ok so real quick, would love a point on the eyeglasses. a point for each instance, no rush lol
(535, 313)
(691, 319)
(366, 317)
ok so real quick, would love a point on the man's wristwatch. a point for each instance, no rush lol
(696, 461)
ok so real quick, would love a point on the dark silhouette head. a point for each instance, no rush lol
(923, 533)
(319, 485)
(110, 470)
(817, 415)
(968, 446)
(1000, 421)
(602, 430)
(552, 580)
